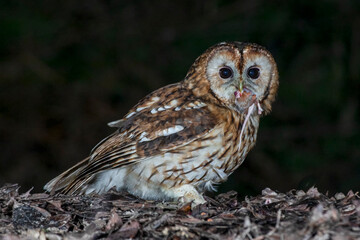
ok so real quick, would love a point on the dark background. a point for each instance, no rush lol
(69, 67)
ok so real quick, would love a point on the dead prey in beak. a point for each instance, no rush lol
(244, 97)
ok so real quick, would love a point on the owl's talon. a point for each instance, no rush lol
(187, 193)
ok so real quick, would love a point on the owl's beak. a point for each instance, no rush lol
(239, 93)
(241, 88)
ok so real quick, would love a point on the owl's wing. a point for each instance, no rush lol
(150, 134)
(156, 125)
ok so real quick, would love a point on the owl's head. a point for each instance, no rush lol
(237, 74)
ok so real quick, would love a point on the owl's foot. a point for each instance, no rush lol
(187, 193)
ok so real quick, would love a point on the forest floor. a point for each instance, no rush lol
(271, 215)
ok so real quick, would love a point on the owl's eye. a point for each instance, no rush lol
(253, 72)
(225, 72)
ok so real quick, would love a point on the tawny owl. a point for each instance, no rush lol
(184, 138)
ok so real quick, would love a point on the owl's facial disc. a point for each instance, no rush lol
(226, 81)
(241, 75)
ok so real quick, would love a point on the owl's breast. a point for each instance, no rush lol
(219, 153)
(236, 146)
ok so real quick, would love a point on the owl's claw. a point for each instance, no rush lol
(187, 193)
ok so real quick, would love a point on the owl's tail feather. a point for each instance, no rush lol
(62, 182)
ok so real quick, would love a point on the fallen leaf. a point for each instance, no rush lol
(128, 230)
(185, 209)
(114, 221)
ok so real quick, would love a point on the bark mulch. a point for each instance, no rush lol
(271, 215)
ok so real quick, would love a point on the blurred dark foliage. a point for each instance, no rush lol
(69, 67)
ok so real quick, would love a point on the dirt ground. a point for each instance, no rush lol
(271, 215)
